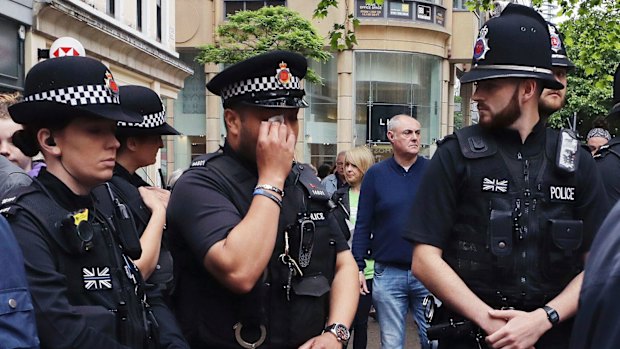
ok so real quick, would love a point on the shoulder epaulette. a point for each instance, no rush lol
(475, 143)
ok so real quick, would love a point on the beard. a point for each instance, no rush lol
(546, 109)
(504, 117)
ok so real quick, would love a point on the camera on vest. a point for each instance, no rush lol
(77, 232)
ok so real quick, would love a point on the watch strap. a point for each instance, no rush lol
(552, 315)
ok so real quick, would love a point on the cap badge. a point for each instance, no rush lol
(482, 45)
(556, 43)
(283, 75)
(110, 83)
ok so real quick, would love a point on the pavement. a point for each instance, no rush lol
(412, 340)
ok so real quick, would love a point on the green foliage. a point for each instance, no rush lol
(458, 115)
(342, 36)
(248, 33)
(593, 44)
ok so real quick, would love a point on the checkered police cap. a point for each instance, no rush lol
(147, 103)
(68, 87)
(271, 80)
(260, 84)
(513, 44)
(148, 121)
(77, 95)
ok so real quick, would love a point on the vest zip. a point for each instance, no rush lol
(524, 229)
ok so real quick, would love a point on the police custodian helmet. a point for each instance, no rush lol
(514, 44)
(147, 103)
(559, 57)
(67, 87)
(270, 80)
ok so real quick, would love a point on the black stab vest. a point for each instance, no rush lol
(99, 276)
(515, 241)
(289, 320)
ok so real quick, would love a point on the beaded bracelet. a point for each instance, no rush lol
(271, 188)
(267, 194)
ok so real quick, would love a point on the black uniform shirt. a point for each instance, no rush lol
(434, 209)
(204, 215)
(199, 215)
(609, 167)
(597, 321)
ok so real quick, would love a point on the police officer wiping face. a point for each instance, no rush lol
(265, 120)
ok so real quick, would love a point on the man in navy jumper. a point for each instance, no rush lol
(387, 194)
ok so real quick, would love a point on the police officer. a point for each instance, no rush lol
(86, 291)
(608, 156)
(598, 317)
(553, 100)
(139, 144)
(507, 208)
(262, 260)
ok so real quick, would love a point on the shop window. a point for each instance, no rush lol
(232, 6)
(390, 83)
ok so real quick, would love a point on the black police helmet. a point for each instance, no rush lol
(559, 57)
(514, 44)
(615, 110)
(270, 80)
(66, 87)
(147, 103)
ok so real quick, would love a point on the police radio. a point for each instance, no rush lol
(566, 158)
(125, 226)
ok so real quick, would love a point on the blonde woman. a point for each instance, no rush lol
(357, 162)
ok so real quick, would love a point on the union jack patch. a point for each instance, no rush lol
(97, 278)
(495, 185)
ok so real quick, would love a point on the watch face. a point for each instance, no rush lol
(342, 332)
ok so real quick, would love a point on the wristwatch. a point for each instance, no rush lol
(340, 331)
(552, 315)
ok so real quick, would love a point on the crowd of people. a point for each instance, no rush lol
(485, 244)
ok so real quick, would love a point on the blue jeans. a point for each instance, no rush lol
(395, 291)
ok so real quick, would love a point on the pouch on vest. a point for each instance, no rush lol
(567, 234)
(500, 233)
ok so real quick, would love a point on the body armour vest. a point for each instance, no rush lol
(285, 308)
(515, 240)
(101, 283)
(129, 195)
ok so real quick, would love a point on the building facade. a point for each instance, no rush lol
(405, 61)
(135, 39)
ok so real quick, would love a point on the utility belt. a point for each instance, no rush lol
(447, 325)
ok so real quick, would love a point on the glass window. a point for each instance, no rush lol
(320, 130)
(232, 6)
(389, 83)
(139, 15)
(158, 19)
(110, 8)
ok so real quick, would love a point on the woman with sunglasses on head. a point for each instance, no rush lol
(87, 292)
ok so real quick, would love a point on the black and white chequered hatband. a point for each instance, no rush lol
(260, 84)
(77, 95)
(149, 121)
